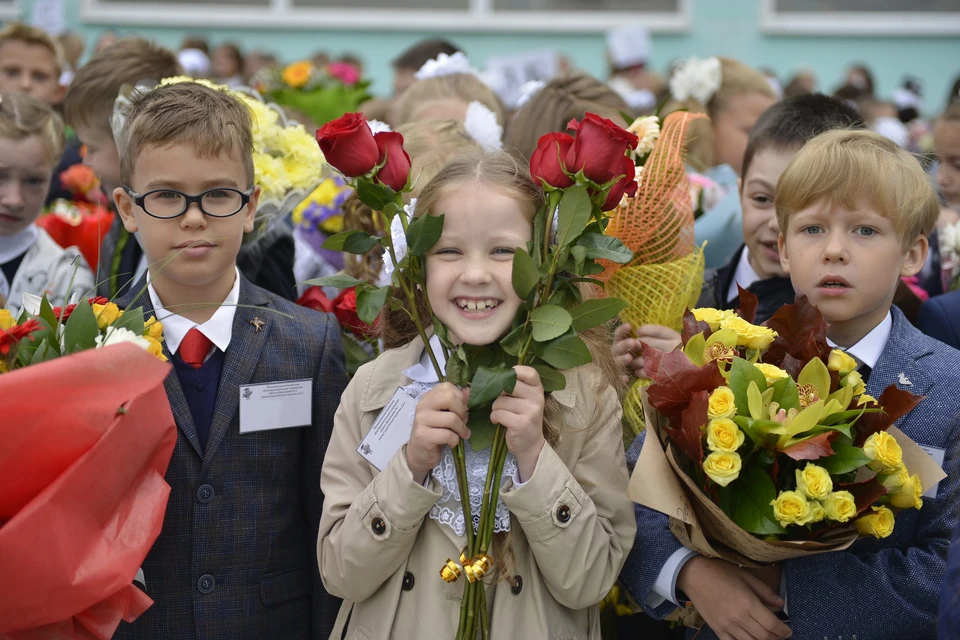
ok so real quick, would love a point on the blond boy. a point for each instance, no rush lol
(31, 62)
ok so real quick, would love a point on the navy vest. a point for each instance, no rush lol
(200, 390)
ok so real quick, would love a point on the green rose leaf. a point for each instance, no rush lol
(550, 378)
(81, 330)
(481, 429)
(511, 342)
(747, 500)
(375, 196)
(42, 353)
(370, 302)
(488, 384)
(594, 313)
(356, 242)
(525, 273)
(785, 394)
(355, 353)
(575, 210)
(742, 373)
(46, 311)
(605, 247)
(549, 322)
(844, 459)
(43, 336)
(566, 352)
(339, 281)
(131, 319)
(423, 233)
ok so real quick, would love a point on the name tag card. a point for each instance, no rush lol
(390, 431)
(276, 405)
(937, 455)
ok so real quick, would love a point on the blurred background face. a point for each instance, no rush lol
(30, 69)
(25, 169)
(731, 127)
(946, 142)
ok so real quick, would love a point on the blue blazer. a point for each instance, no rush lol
(877, 589)
(950, 592)
(940, 318)
(237, 555)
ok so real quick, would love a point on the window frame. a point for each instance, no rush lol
(282, 14)
(856, 23)
(10, 10)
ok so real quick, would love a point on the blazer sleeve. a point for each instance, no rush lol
(328, 385)
(654, 544)
(934, 321)
(583, 517)
(888, 593)
(370, 520)
(950, 592)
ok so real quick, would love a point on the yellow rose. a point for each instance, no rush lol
(895, 479)
(106, 314)
(840, 506)
(155, 347)
(153, 328)
(712, 317)
(749, 335)
(878, 524)
(817, 511)
(724, 435)
(884, 451)
(771, 373)
(814, 482)
(722, 468)
(792, 507)
(852, 379)
(722, 404)
(7, 321)
(910, 495)
(841, 362)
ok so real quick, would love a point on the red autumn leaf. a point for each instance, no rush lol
(864, 493)
(676, 379)
(691, 327)
(688, 436)
(801, 333)
(748, 304)
(813, 449)
(896, 403)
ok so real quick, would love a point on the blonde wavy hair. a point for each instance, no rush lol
(22, 116)
(458, 86)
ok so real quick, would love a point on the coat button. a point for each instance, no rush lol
(517, 585)
(408, 581)
(379, 526)
(206, 583)
(205, 493)
(563, 513)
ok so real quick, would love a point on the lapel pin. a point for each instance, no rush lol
(258, 324)
(905, 381)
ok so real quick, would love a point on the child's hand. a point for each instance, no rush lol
(521, 414)
(626, 349)
(735, 603)
(440, 419)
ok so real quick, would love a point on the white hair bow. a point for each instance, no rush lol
(697, 79)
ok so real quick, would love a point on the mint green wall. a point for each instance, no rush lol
(720, 27)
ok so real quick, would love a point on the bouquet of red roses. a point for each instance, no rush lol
(359, 338)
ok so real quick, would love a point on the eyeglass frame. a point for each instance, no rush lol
(139, 199)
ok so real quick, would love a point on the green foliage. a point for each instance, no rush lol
(131, 319)
(488, 384)
(339, 281)
(845, 459)
(370, 302)
(742, 373)
(601, 247)
(575, 213)
(549, 322)
(525, 274)
(747, 500)
(593, 313)
(423, 233)
(356, 242)
(566, 352)
(376, 196)
(81, 330)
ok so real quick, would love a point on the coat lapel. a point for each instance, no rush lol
(178, 402)
(898, 364)
(251, 330)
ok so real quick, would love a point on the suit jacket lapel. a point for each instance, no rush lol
(898, 364)
(178, 402)
(251, 329)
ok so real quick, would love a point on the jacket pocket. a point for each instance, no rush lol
(360, 633)
(282, 586)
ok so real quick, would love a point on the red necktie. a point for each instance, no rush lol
(194, 348)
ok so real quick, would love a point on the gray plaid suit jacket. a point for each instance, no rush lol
(877, 589)
(236, 557)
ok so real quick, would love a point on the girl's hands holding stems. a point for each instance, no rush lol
(521, 414)
(440, 420)
(626, 348)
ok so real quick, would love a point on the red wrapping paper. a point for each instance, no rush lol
(82, 485)
(86, 237)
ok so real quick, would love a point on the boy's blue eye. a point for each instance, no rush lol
(217, 194)
(866, 231)
(812, 230)
(167, 195)
(504, 251)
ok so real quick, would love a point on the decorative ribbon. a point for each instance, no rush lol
(475, 568)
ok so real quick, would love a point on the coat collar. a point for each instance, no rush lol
(900, 363)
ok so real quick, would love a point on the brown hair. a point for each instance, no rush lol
(212, 122)
(737, 79)
(420, 53)
(462, 86)
(22, 116)
(952, 112)
(19, 32)
(847, 166)
(72, 46)
(95, 88)
(562, 99)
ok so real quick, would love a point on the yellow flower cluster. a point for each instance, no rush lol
(814, 500)
(886, 458)
(108, 314)
(878, 524)
(749, 335)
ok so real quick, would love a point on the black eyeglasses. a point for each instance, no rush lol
(168, 203)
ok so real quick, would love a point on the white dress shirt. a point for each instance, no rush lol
(870, 347)
(218, 329)
(745, 275)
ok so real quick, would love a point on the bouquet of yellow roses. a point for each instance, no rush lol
(762, 443)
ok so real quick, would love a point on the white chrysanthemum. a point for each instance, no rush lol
(949, 237)
(376, 126)
(398, 238)
(116, 336)
(444, 65)
(528, 90)
(647, 129)
(481, 123)
(697, 79)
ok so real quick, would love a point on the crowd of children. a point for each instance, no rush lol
(279, 532)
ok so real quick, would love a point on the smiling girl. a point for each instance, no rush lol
(564, 523)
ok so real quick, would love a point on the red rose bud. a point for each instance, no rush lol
(598, 148)
(396, 171)
(546, 166)
(625, 186)
(314, 298)
(345, 309)
(348, 145)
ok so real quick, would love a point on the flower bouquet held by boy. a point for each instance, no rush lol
(510, 321)
(767, 445)
(83, 477)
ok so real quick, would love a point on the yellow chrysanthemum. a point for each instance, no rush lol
(7, 321)
(269, 175)
(298, 74)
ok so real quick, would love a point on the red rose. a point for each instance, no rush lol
(345, 308)
(348, 145)
(626, 185)
(314, 298)
(62, 314)
(396, 171)
(598, 148)
(98, 300)
(13, 335)
(546, 164)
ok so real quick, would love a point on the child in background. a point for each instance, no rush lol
(946, 143)
(445, 97)
(31, 62)
(31, 141)
(383, 535)
(733, 95)
(226, 64)
(406, 65)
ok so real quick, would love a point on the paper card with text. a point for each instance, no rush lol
(276, 405)
(390, 431)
